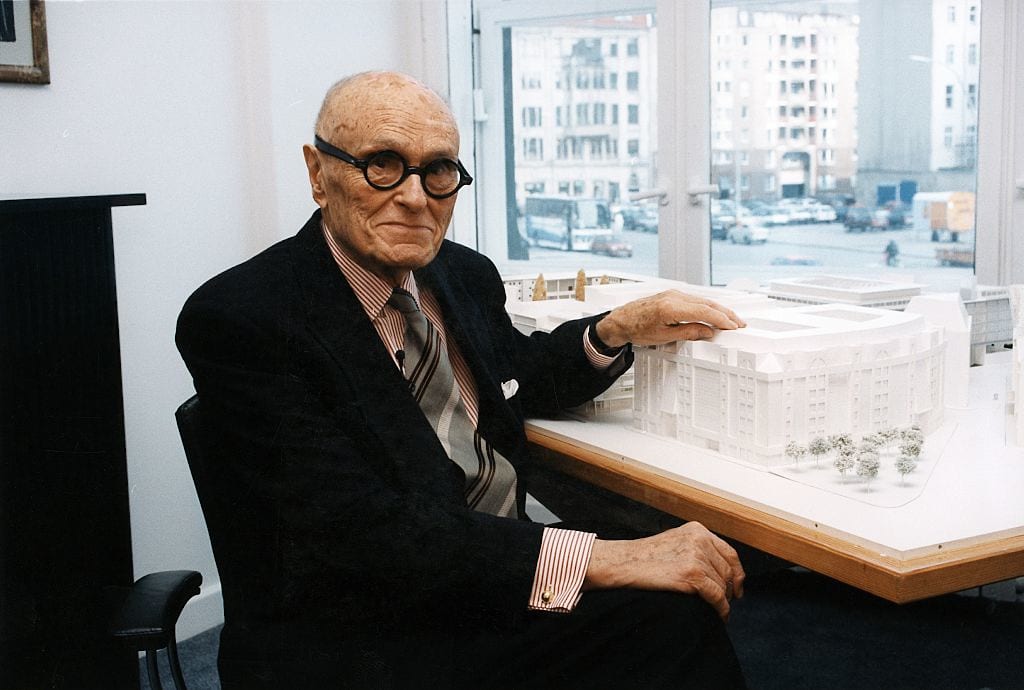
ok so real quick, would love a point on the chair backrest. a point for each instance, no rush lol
(194, 440)
(187, 416)
(227, 517)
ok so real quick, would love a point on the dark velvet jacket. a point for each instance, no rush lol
(338, 523)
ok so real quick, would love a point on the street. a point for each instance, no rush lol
(836, 252)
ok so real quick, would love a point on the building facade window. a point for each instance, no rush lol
(532, 117)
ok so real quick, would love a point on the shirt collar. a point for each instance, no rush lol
(371, 290)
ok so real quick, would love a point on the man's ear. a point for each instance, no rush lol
(315, 175)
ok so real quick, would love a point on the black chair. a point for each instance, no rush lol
(146, 614)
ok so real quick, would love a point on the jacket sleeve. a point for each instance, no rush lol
(552, 369)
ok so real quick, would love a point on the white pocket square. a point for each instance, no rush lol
(509, 388)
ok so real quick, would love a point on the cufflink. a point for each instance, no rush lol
(547, 595)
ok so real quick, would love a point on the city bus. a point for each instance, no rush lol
(568, 223)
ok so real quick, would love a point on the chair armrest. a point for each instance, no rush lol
(148, 613)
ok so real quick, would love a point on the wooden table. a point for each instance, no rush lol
(964, 528)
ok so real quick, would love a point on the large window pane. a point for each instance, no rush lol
(843, 139)
(579, 139)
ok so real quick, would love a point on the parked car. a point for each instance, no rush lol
(857, 219)
(880, 219)
(723, 217)
(611, 245)
(769, 215)
(748, 232)
(640, 217)
(795, 210)
(822, 213)
(899, 216)
(798, 210)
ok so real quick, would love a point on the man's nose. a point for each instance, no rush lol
(411, 192)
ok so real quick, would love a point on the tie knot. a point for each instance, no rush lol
(403, 301)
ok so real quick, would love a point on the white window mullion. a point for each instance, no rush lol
(1000, 250)
(460, 97)
(684, 155)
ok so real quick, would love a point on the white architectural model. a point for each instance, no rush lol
(528, 315)
(863, 292)
(792, 375)
(947, 310)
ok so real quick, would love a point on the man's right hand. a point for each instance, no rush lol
(687, 559)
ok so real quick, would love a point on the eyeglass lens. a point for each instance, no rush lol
(387, 168)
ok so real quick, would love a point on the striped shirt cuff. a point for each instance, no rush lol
(561, 568)
(596, 359)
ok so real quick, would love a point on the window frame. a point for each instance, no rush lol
(684, 125)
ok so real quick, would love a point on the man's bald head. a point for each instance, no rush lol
(354, 99)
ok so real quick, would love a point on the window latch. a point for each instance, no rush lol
(698, 190)
(660, 194)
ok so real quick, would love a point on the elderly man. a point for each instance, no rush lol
(364, 392)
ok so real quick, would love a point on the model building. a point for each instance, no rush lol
(790, 376)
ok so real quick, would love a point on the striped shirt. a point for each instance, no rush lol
(564, 554)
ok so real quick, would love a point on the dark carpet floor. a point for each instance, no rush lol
(798, 630)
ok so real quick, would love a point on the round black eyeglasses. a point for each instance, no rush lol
(383, 170)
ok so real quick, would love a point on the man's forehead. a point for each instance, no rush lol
(386, 107)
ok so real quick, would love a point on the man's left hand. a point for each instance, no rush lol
(664, 318)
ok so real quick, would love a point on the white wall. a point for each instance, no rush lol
(203, 107)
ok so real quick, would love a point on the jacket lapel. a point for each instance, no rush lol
(338, 322)
(464, 322)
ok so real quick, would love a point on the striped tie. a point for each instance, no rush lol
(490, 478)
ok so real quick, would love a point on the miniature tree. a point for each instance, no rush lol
(911, 447)
(905, 465)
(581, 286)
(844, 460)
(795, 451)
(888, 436)
(840, 441)
(540, 288)
(817, 447)
(912, 433)
(870, 442)
(867, 463)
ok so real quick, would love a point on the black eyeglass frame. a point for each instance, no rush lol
(465, 179)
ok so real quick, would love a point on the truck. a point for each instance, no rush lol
(951, 213)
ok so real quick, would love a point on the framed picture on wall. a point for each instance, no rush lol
(23, 55)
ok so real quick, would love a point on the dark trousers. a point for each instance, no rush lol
(616, 639)
(613, 639)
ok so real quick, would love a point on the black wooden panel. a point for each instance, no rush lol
(64, 520)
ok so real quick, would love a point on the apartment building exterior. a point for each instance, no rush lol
(584, 102)
(918, 116)
(783, 102)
